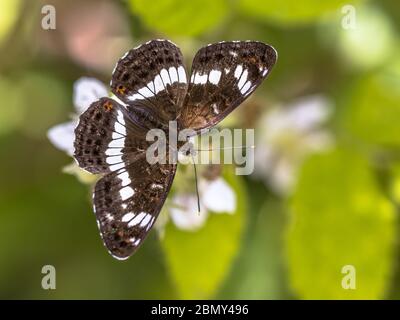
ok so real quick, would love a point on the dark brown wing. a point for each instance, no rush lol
(223, 76)
(128, 199)
(127, 203)
(152, 77)
(107, 138)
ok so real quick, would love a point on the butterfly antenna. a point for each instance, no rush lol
(197, 187)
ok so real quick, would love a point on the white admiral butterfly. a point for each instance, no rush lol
(151, 88)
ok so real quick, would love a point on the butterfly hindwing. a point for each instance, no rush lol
(127, 203)
(128, 198)
(106, 139)
(153, 77)
(223, 76)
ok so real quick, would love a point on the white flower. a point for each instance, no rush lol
(184, 212)
(218, 196)
(62, 136)
(86, 91)
(215, 196)
(286, 135)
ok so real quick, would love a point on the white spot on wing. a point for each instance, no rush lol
(233, 53)
(238, 71)
(156, 186)
(145, 92)
(151, 86)
(120, 117)
(117, 143)
(116, 167)
(138, 218)
(200, 79)
(243, 79)
(116, 135)
(114, 159)
(214, 77)
(119, 128)
(128, 217)
(134, 97)
(145, 220)
(114, 152)
(173, 74)
(215, 108)
(165, 77)
(158, 84)
(150, 224)
(126, 193)
(124, 177)
(182, 75)
(133, 239)
(245, 87)
(109, 217)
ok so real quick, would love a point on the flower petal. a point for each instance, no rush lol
(304, 114)
(320, 140)
(264, 158)
(309, 112)
(62, 136)
(218, 196)
(87, 91)
(283, 177)
(186, 215)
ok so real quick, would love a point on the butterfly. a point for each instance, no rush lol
(150, 88)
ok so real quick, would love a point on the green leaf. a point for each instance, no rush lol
(12, 112)
(178, 17)
(372, 111)
(47, 95)
(355, 45)
(9, 10)
(27, 99)
(340, 217)
(291, 12)
(260, 272)
(394, 187)
(199, 261)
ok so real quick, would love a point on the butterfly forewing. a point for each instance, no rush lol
(106, 139)
(223, 76)
(152, 76)
(127, 203)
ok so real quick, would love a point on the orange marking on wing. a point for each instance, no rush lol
(121, 89)
(108, 106)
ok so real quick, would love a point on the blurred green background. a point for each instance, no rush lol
(326, 189)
